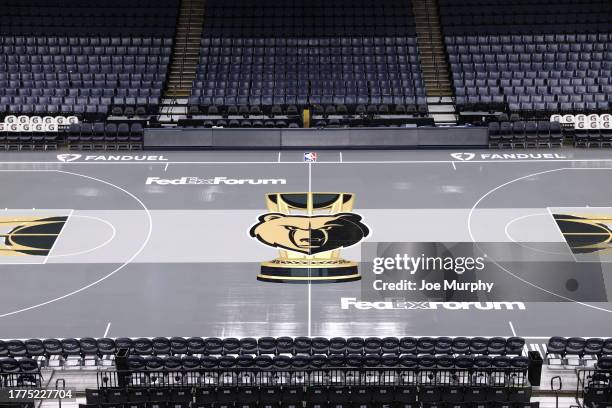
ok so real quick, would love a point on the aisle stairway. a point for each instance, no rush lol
(186, 51)
(434, 64)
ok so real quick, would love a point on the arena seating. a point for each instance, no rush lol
(19, 371)
(342, 57)
(320, 381)
(529, 134)
(534, 58)
(91, 352)
(91, 58)
(577, 351)
(109, 136)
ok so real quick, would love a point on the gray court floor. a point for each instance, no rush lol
(150, 249)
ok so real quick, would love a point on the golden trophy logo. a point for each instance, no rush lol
(24, 236)
(586, 234)
(309, 229)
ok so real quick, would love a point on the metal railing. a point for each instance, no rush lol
(346, 376)
(594, 385)
(20, 380)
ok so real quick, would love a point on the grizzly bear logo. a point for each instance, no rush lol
(310, 234)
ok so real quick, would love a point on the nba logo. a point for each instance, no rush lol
(310, 157)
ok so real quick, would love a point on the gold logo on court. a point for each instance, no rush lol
(20, 236)
(309, 229)
(586, 234)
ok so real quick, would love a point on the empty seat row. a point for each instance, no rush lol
(588, 77)
(312, 396)
(144, 42)
(296, 396)
(579, 346)
(99, 136)
(593, 137)
(250, 123)
(123, 73)
(523, 40)
(508, 45)
(10, 365)
(300, 41)
(85, 54)
(292, 404)
(284, 362)
(252, 346)
(303, 45)
(81, 136)
(529, 134)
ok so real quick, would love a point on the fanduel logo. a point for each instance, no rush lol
(68, 157)
(507, 156)
(352, 303)
(463, 156)
(111, 158)
(183, 181)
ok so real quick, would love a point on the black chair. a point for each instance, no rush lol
(89, 351)
(106, 350)
(117, 396)
(426, 345)
(136, 395)
(321, 345)
(231, 346)
(16, 348)
(142, 346)
(408, 345)
(496, 345)
(136, 363)
(190, 362)
(443, 345)
(179, 346)
(478, 345)
(196, 346)
(555, 350)
(316, 396)
(514, 346)
(285, 345)
(34, 348)
(266, 345)
(292, 396)
(95, 397)
(353, 345)
(574, 346)
(390, 345)
(54, 352)
(124, 343)
(248, 345)
(215, 346)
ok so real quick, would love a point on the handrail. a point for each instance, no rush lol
(20, 379)
(334, 376)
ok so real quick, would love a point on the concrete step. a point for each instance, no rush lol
(186, 52)
(444, 118)
(441, 108)
(440, 100)
(432, 52)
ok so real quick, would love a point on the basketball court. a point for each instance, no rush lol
(157, 243)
